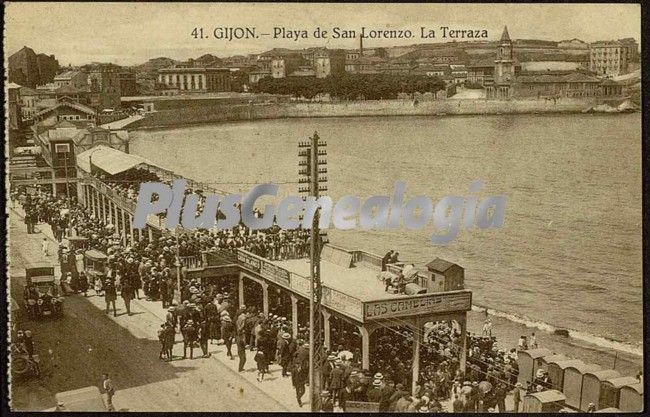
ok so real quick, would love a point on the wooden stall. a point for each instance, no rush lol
(556, 371)
(572, 386)
(591, 381)
(610, 390)
(631, 398)
(545, 360)
(526, 360)
(551, 401)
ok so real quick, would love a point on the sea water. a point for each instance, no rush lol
(569, 254)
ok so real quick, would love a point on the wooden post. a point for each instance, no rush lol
(294, 316)
(417, 340)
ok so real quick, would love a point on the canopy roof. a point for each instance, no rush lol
(638, 387)
(604, 374)
(622, 381)
(536, 353)
(96, 255)
(549, 396)
(111, 161)
(566, 363)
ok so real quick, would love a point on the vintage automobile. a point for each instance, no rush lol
(41, 293)
(77, 242)
(95, 268)
(22, 365)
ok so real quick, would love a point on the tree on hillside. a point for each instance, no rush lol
(351, 86)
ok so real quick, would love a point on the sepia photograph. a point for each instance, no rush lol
(318, 207)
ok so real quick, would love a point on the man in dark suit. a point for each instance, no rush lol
(204, 336)
(299, 375)
(241, 351)
(387, 391)
(345, 395)
(386, 259)
(189, 337)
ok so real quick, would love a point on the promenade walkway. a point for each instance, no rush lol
(144, 383)
(122, 123)
(275, 392)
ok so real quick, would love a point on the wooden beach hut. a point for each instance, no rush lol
(556, 371)
(591, 381)
(572, 385)
(631, 398)
(551, 401)
(526, 361)
(610, 390)
(544, 361)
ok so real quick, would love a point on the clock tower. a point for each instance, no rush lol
(503, 65)
(500, 87)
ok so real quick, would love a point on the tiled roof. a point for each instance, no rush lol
(573, 77)
(439, 265)
(66, 75)
(26, 91)
(70, 89)
(77, 106)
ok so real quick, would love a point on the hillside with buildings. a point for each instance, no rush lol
(504, 69)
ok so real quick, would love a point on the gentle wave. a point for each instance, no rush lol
(601, 341)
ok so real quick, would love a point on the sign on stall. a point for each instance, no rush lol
(300, 284)
(249, 261)
(426, 304)
(342, 302)
(275, 273)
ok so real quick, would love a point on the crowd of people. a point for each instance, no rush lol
(211, 313)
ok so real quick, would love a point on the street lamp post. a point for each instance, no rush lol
(313, 167)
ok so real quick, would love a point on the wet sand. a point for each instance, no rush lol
(508, 332)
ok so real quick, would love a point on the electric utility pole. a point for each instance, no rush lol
(310, 169)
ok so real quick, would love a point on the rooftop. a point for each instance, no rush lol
(67, 75)
(358, 281)
(505, 36)
(74, 105)
(110, 160)
(439, 265)
(572, 77)
(194, 69)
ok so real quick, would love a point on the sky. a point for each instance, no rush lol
(132, 33)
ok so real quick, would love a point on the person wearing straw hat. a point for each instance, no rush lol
(336, 382)
(326, 403)
(285, 352)
(374, 392)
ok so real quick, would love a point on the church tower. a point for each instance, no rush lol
(503, 64)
